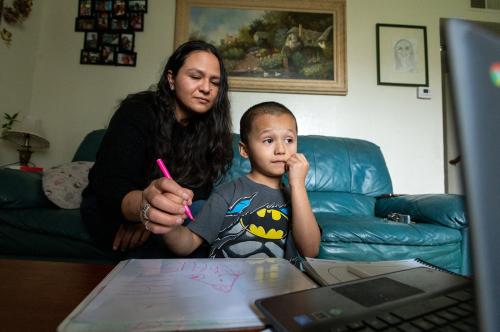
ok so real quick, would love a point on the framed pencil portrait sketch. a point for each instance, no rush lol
(290, 46)
(402, 55)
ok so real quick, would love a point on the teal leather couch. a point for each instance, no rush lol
(32, 227)
(347, 182)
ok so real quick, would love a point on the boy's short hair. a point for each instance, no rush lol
(267, 107)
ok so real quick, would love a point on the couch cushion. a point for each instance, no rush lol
(345, 165)
(20, 190)
(373, 230)
(63, 184)
(342, 204)
(447, 256)
(54, 221)
(16, 242)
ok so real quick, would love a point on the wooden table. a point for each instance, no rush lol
(38, 295)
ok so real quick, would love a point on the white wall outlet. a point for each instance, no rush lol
(424, 92)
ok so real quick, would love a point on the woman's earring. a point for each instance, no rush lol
(172, 87)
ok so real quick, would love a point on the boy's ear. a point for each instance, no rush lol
(243, 150)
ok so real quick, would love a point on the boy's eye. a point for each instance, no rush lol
(289, 140)
(268, 141)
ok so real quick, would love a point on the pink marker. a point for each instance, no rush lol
(166, 173)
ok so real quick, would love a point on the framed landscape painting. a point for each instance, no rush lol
(274, 45)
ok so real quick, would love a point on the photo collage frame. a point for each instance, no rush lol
(110, 28)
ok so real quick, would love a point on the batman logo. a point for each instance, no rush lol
(267, 223)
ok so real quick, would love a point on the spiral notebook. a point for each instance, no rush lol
(330, 272)
(425, 298)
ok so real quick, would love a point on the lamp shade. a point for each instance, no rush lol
(29, 129)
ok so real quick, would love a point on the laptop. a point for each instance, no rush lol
(426, 299)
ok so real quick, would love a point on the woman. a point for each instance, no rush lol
(404, 56)
(186, 122)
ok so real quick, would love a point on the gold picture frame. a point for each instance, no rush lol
(292, 46)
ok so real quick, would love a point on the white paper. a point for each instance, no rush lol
(184, 294)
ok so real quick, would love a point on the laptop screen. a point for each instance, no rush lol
(474, 57)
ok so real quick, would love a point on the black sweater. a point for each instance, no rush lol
(124, 162)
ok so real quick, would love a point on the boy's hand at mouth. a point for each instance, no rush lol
(297, 167)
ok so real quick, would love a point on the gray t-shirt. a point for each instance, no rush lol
(246, 219)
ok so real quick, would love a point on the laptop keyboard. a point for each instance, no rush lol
(451, 312)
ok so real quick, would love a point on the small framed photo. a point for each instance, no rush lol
(136, 21)
(127, 42)
(110, 27)
(108, 55)
(126, 58)
(104, 5)
(91, 40)
(138, 6)
(402, 55)
(110, 38)
(90, 57)
(119, 24)
(119, 8)
(84, 24)
(102, 21)
(84, 7)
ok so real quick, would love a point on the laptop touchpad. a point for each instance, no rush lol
(377, 291)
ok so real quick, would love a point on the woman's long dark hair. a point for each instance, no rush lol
(199, 153)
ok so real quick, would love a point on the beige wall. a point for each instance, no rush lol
(40, 74)
(17, 66)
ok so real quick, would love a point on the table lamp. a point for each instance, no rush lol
(27, 134)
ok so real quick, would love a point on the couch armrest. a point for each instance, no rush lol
(20, 190)
(444, 209)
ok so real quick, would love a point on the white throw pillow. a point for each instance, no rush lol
(63, 185)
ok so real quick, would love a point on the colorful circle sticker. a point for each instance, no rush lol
(495, 73)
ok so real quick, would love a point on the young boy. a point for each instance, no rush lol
(255, 215)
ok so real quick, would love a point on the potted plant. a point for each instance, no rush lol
(8, 122)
